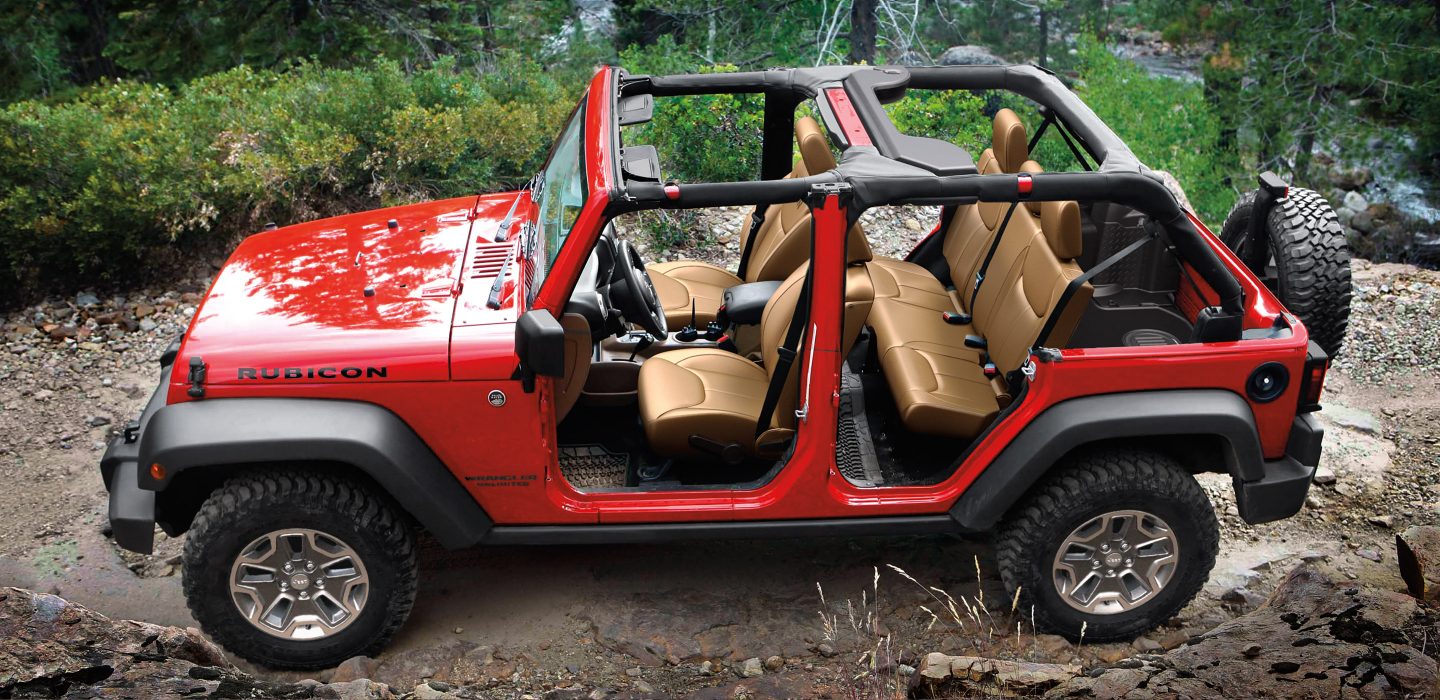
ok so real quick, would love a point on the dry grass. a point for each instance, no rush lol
(882, 671)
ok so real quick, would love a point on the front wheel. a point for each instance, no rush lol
(299, 570)
(1114, 543)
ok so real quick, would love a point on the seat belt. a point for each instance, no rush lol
(785, 354)
(757, 219)
(989, 255)
(1080, 281)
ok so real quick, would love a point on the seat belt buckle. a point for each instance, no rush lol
(991, 371)
(975, 341)
(955, 319)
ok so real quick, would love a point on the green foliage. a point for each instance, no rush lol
(954, 116)
(702, 138)
(1166, 122)
(94, 184)
(702, 33)
(46, 48)
(1293, 76)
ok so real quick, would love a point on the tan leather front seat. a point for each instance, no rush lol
(781, 245)
(718, 395)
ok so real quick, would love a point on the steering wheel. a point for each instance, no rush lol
(635, 293)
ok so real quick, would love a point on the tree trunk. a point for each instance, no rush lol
(85, 54)
(1304, 150)
(1044, 33)
(862, 31)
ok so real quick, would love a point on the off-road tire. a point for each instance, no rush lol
(1086, 486)
(1311, 258)
(250, 505)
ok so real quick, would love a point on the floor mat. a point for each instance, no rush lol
(854, 449)
(591, 467)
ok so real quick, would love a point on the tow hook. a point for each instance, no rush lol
(196, 378)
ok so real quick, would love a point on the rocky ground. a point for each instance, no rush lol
(777, 618)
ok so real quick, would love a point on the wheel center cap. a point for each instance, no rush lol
(1112, 560)
(299, 582)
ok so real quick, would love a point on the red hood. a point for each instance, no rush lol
(347, 292)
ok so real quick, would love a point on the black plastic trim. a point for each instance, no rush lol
(132, 510)
(649, 533)
(1307, 438)
(1071, 424)
(1281, 493)
(373, 440)
(745, 303)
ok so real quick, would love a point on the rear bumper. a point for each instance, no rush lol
(1281, 492)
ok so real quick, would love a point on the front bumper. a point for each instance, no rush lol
(132, 509)
(1281, 492)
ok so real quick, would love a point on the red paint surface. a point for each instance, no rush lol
(850, 123)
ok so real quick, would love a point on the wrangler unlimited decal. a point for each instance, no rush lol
(311, 372)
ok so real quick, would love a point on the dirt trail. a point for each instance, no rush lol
(677, 617)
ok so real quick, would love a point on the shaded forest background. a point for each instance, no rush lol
(134, 134)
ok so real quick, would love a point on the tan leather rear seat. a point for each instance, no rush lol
(969, 234)
(939, 384)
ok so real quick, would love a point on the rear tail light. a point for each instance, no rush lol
(1312, 382)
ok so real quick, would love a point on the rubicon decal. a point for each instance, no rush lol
(274, 373)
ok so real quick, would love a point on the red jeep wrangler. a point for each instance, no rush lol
(1050, 366)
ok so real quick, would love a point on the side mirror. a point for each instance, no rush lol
(540, 343)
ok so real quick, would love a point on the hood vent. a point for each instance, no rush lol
(489, 258)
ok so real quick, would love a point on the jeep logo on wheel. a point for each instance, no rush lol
(497, 398)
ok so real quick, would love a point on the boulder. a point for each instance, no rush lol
(1316, 637)
(1350, 178)
(1417, 551)
(970, 55)
(50, 647)
(1354, 201)
(942, 675)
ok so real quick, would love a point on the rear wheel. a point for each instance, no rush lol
(1114, 543)
(299, 570)
(1309, 263)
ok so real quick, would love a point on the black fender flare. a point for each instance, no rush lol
(367, 437)
(1076, 422)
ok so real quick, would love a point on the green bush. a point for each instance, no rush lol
(95, 185)
(700, 138)
(1166, 122)
(955, 116)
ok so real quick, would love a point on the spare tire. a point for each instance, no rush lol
(1309, 263)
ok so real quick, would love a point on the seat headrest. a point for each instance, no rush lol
(857, 249)
(814, 149)
(1061, 223)
(1008, 139)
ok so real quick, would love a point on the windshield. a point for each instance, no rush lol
(562, 192)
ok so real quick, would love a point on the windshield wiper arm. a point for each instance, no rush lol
(495, 289)
(503, 233)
